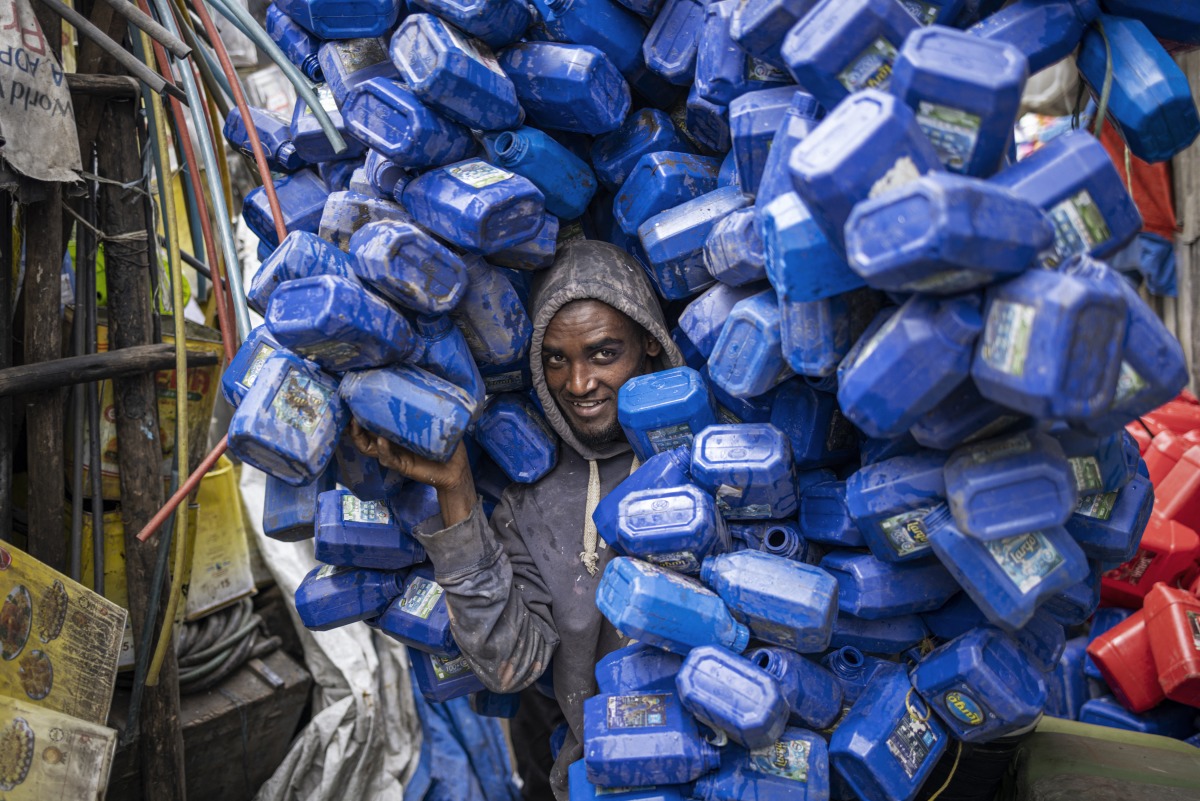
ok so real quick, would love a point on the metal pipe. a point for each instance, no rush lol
(139, 19)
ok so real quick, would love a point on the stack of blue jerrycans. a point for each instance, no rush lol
(886, 483)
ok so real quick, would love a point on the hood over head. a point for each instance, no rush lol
(586, 269)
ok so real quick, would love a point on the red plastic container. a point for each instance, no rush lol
(1173, 628)
(1140, 435)
(1168, 550)
(1177, 497)
(1179, 415)
(1165, 451)
(1127, 664)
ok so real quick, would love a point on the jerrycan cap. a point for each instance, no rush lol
(806, 105)
(960, 319)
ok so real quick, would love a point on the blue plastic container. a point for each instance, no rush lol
(799, 119)
(346, 212)
(783, 602)
(852, 670)
(1066, 686)
(1046, 31)
(706, 123)
(872, 589)
(747, 359)
(754, 118)
(289, 422)
(363, 475)
(637, 668)
(890, 499)
(817, 334)
(290, 513)
(658, 182)
(1168, 719)
(491, 316)
(516, 436)
(419, 616)
(733, 252)
(455, 76)
(342, 19)
(384, 175)
(723, 69)
(820, 435)
(740, 410)
(360, 186)
(759, 26)
(565, 180)
(356, 533)
(784, 538)
(801, 262)
(583, 790)
(642, 739)
(410, 407)
(301, 199)
(532, 254)
(749, 468)
(825, 518)
(891, 635)
(1109, 526)
(793, 768)
(646, 130)
(495, 22)
(667, 468)
(447, 355)
(1042, 638)
(337, 174)
(881, 749)
(243, 369)
(731, 694)
(663, 608)
(704, 318)
(309, 138)
(414, 503)
(567, 87)
(1075, 182)
(981, 685)
(297, 44)
(346, 63)
(1177, 22)
(975, 10)
(390, 119)
(675, 527)
(329, 597)
(962, 417)
(274, 133)
(409, 267)
(1051, 345)
(1075, 604)
(671, 45)
(664, 410)
(811, 693)
(1099, 463)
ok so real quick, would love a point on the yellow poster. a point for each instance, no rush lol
(49, 756)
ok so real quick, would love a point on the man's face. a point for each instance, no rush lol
(588, 352)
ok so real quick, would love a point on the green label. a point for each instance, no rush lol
(911, 742)
(1078, 225)
(1099, 507)
(261, 354)
(357, 54)
(356, 511)
(871, 69)
(420, 597)
(1129, 383)
(1007, 335)
(946, 283)
(637, 711)
(953, 132)
(300, 402)
(1026, 558)
(670, 437)
(787, 759)
(905, 532)
(1087, 474)
(448, 667)
(479, 174)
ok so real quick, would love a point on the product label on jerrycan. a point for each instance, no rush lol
(1134, 570)
(356, 511)
(905, 532)
(420, 597)
(871, 69)
(924, 13)
(261, 354)
(357, 54)
(680, 561)
(964, 707)
(1086, 470)
(300, 402)
(1099, 507)
(1026, 558)
(1007, 335)
(953, 132)
(910, 743)
(1078, 225)
(786, 759)
(1193, 620)
(448, 667)
(637, 711)
(479, 174)
(1129, 383)
(669, 438)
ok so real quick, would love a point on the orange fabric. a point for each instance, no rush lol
(1151, 189)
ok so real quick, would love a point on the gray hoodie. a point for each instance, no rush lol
(518, 591)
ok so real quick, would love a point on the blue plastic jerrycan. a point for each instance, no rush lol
(329, 597)
(733, 252)
(1066, 684)
(567, 87)
(359, 185)
(244, 368)
(663, 410)
(409, 267)
(1010, 485)
(301, 199)
(1046, 31)
(783, 602)
(346, 63)
(844, 46)
(673, 527)
(535, 253)
(940, 12)
(496, 22)
(338, 324)
(706, 123)
(793, 768)
(740, 410)
(637, 668)
(356, 533)
(873, 589)
(825, 518)
(958, 234)
(488, 704)
(667, 468)
(890, 499)
(759, 26)
(1177, 22)
(1007, 578)
(1109, 526)
(298, 45)
(516, 436)
(966, 93)
(801, 262)
(347, 212)
(1051, 345)
(660, 181)
(336, 175)
(962, 417)
(383, 175)
(1075, 182)
(419, 616)
(1168, 719)
(891, 635)
(982, 685)
(413, 504)
(754, 119)
(723, 69)
(491, 316)
(671, 45)
(852, 670)
(1075, 604)
(581, 789)
(748, 467)
(1042, 639)
(447, 355)
(704, 318)
(339, 19)
(290, 513)
(909, 363)
(730, 694)
(975, 10)
(812, 695)
(361, 474)
(565, 180)
(476, 206)
(888, 743)
(641, 739)
(660, 607)
(747, 359)
(308, 136)
(411, 407)
(647, 130)
(274, 133)
(820, 435)
(289, 422)
(799, 119)
(453, 75)
(817, 334)
(784, 538)
(389, 118)
(1099, 463)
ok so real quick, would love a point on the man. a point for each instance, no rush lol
(522, 590)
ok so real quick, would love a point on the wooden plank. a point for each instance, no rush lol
(7, 431)
(103, 85)
(1186, 177)
(96, 367)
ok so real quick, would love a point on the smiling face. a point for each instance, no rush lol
(588, 352)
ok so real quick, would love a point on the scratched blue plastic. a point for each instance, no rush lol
(675, 527)
(409, 267)
(799, 119)
(819, 432)
(754, 118)
(348, 211)
(356, 533)
(664, 410)
(749, 468)
(890, 499)
(363, 475)
(609, 28)
(891, 635)
(583, 790)
(454, 76)
(1104, 619)
(566, 180)
(660, 181)
(343, 19)
(740, 410)
(346, 63)
(705, 316)
(290, 513)
(793, 768)
(419, 616)
(495, 22)
(1075, 182)
(274, 132)
(727, 175)
(975, 10)
(447, 355)
(301, 199)
(1099, 463)
(784, 538)
(671, 45)
(413, 504)
(706, 123)
(959, 233)
(812, 694)
(663, 608)
(982, 685)
(386, 116)
(532, 254)
(514, 434)
(297, 44)
(966, 93)
(843, 46)
(783, 602)
(881, 749)
(733, 252)
(359, 184)
(1109, 526)
(730, 694)
(329, 597)
(667, 468)
(802, 263)
(1168, 719)
(289, 422)
(747, 359)
(914, 360)
(383, 174)
(1075, 604)
(567, 87)
(491, 316)
(243, 369)
(308, 136)
(852, 670)
(410, 407)
(1051, 345)
(647, 130)
(817, 334)
(1046, 31)
(1177, 21)
(338, 324)
(643, 739)
(759, 26)
(337, 174)
(1041, 638)
(873, 589)
(963, 416)
(723, 69)
(825, 518)
(440, 677)
(637, 668)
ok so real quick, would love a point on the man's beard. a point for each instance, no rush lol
(594, 439)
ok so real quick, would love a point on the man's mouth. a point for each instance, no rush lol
(588, 408)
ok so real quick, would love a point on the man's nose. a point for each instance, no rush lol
(581, 381)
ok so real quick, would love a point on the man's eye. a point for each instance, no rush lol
(606, 354)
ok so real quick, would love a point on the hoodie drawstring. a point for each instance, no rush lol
(591, 537)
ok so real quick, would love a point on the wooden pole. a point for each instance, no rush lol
(127, 261)
(96, 367)
(7, 434)
(1186, 176)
